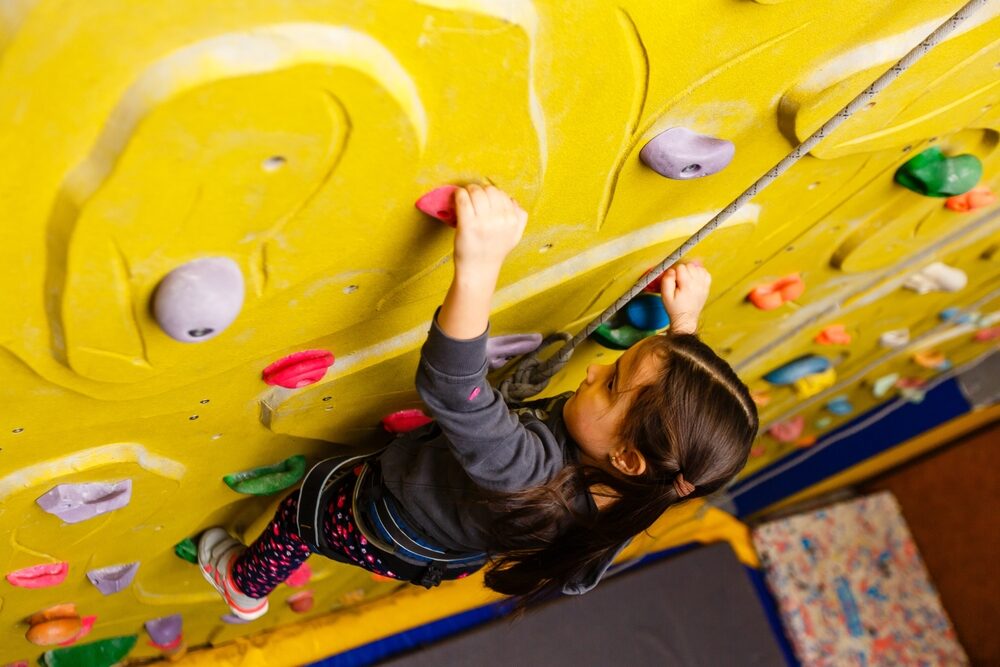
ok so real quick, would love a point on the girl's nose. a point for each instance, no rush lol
(592, 371)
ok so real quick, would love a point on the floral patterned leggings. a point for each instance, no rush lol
(279, 550)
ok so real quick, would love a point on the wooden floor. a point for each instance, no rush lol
(951, 501)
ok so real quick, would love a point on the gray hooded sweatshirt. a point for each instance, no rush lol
(476, 442)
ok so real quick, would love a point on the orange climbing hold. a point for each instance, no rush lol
(55, 625)
(773, 295)
(977, 197)
(835, 334)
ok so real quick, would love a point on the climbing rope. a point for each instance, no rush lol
(530, 376)
(521, 384)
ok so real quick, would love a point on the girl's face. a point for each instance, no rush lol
(595, 412)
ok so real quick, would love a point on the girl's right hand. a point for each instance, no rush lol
(490, 225)
(684, 290)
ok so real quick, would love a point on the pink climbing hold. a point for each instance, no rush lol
(789, 430)
(405, 421)
(300, 577)
(74, 503)
(39, 576)
(440, 203)
(299, 369)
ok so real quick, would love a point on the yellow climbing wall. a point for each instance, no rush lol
(294, 137)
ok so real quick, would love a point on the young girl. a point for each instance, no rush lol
(545, 495)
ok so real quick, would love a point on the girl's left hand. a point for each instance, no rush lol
(684, 290)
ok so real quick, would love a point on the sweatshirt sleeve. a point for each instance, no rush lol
(490, 443)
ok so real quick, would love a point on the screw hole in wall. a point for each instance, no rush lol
(545, 248)
(351, 289)
(17, 430)
(193, 417)
(205, 401)
(691, 169)
(273, 163)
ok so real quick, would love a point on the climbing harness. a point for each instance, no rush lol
(379, 518)
(530, 376)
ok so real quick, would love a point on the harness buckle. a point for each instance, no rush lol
(432, 575)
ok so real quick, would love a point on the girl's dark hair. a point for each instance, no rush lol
(695, 418)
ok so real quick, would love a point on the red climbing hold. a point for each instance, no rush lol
(301, 602)
(405, 421)
(299, 369)
(977, 197)
(773, 295)
(990, 333)
(440, 203)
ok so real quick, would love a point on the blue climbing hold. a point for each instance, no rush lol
(646, 312)
(798, 368)
(840, 406)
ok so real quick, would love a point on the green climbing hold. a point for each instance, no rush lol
(619, 338)
(102, 653)
(932, 174)
(187, 550)
(268, 479)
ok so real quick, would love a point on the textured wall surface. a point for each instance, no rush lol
(293, 138)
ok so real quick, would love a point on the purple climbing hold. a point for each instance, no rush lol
(113, 578)
(199, 299)
(682, 154)
(501, 349)
(166, 630)
(74, 503)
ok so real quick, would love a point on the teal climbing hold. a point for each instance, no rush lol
(268, 479)
(103, 653)
(187, 550)
(933, 174)
(619, 338)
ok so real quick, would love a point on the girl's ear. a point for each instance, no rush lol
(629, 462)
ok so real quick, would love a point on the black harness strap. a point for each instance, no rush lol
(309, 515)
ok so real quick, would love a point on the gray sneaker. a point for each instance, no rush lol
(216, 553)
